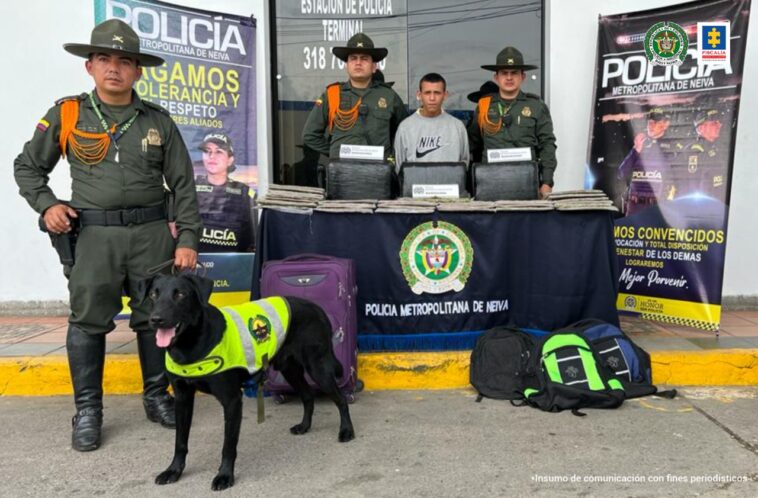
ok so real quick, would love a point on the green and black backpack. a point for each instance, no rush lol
(570, 376)
(628, 362)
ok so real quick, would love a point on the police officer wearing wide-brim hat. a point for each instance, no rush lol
(512, 118)
(225, 204)
(120, 149)
(359, 111)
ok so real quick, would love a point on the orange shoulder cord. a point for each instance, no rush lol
(485, 125)
(344, 120)
(92, 151)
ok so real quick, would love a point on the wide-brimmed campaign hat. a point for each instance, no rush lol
(360, 44)
(509, 58)
(113, 36)
(487, 88)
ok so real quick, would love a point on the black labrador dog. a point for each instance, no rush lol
(189, 327)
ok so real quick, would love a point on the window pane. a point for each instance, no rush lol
(450, 37)
(306, 32)
(454, 38)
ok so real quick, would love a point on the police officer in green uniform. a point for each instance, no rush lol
(512, 118)
(705, 158)
(360, 111)
(120, 149)
(225, 204)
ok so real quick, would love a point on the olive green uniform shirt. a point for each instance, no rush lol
(136, 180)
(376, 125)
(531, 126)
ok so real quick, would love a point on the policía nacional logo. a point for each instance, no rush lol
(259, 327)
(666, 43)
(436, 257)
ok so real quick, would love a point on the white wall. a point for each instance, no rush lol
(36, 72)
(572, 32)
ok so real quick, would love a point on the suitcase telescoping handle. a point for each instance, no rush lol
(304, 256)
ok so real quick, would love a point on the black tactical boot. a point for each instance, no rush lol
(158, 403)
(86, 356)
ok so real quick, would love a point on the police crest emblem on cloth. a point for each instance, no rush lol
(259, 328)
(526, 111)
(436, 257)
(382, 104)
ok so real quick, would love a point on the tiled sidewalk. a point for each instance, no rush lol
(739, 330)
(43, 336)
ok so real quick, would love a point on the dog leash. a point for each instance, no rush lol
(169, 262)
(157, 268)
(259, 390)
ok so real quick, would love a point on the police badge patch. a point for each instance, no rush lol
(526, 111)
(692, 164)
(382, 104)
(259, 328)
(666, 43)
(436, 257)
(153, 137)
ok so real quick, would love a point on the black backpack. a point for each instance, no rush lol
(500, 363)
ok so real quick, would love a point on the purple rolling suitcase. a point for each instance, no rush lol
(330, 283)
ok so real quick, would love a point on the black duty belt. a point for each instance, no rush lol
(121, 217)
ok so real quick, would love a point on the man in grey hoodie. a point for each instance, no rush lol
(431, 134)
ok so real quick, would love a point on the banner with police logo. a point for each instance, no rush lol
(208, 86)
(667, 96)
(435, 281)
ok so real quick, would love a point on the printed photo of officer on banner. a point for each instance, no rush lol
(226, 202)
(677, 151)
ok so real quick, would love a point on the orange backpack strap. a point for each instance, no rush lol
(332, 102)
(69, 117)
(483, 108)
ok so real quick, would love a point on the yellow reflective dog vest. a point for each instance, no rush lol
(253, 331)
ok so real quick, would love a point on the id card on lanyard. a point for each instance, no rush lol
(113, 133)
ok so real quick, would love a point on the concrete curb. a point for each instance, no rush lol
(48, 376)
